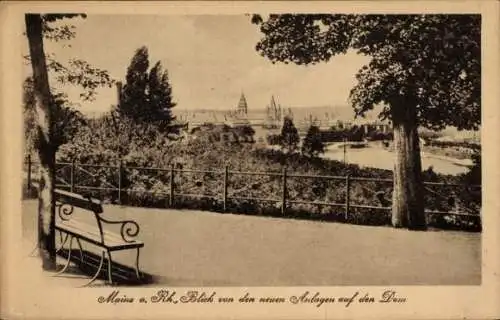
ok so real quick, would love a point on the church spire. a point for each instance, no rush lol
(273, 105)
(242, 105)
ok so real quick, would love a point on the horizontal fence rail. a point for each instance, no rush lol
(170, 183)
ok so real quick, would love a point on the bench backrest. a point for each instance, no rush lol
(76, 199)
(65, 198)
(66, 201)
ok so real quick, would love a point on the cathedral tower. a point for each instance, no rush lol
(242, 105)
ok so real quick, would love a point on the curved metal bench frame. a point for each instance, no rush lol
(128, 231)
(65, 204)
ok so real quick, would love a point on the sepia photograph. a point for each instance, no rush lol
(252, 149)
(178, 153)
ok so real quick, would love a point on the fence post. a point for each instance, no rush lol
(171, 198)
(226, 176)
(29, 175)
(345, 151)
(72, 177)
(455, 203)
(283, 203)
(347, 195)
(120, 169)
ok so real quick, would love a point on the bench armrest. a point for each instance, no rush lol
(64, 210)
(129, 229)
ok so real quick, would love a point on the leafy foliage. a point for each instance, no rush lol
(432, 61)
(460, 144)
(80, 73)
(246, 132)
(99, 141)
(113, 138)
(227, 135)
(273, 139)
(354, 133)
(59, 33)
(313, 144)
(377, 136)
(75, 72)
(66, 120)
(424, 70)
(51, 17)
(474, 174)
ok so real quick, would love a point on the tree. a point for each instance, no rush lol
(424, 70)
(46, 152)
(473, 176)
(160, 96)
(312, 144)
(133, 99)
(289, 137)
(37, 27)
(147, 96)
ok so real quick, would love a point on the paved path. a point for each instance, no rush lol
(191, 248)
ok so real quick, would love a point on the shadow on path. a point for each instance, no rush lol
(122, 275)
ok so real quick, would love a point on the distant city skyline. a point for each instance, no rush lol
(211, 60)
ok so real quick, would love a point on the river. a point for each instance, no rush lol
(375, 156)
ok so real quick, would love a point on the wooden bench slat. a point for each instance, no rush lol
(90, 229)
(84, 203)
(91, 234)
(75, 199)
(87, 231)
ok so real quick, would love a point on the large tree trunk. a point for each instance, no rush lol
(408, 199)
(46, 150)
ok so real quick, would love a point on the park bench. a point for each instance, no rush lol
(96, 233)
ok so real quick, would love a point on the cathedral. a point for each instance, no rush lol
(273, 114)
(272, 117)
(240, 116)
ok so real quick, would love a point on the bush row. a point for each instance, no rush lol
(99, 145)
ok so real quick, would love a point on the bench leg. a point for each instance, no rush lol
(81, 249)
(110, 264)
(98, 271)
(69, 257)
(137, 265)
(63, 242)
(35, 249)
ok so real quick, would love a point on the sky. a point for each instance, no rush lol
(211, 60)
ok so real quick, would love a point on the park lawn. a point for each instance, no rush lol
(194, 248)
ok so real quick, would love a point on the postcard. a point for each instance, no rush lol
(243, 160)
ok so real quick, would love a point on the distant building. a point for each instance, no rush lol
(269, 120)
(273, 114)
(242, 105)
(240, 117)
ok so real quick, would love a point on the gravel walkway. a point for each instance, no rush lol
(192, 248)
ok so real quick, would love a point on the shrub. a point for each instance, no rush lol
(312, 144)
(273, 139)
(379, 136)
(289, 138)
(144, 187)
